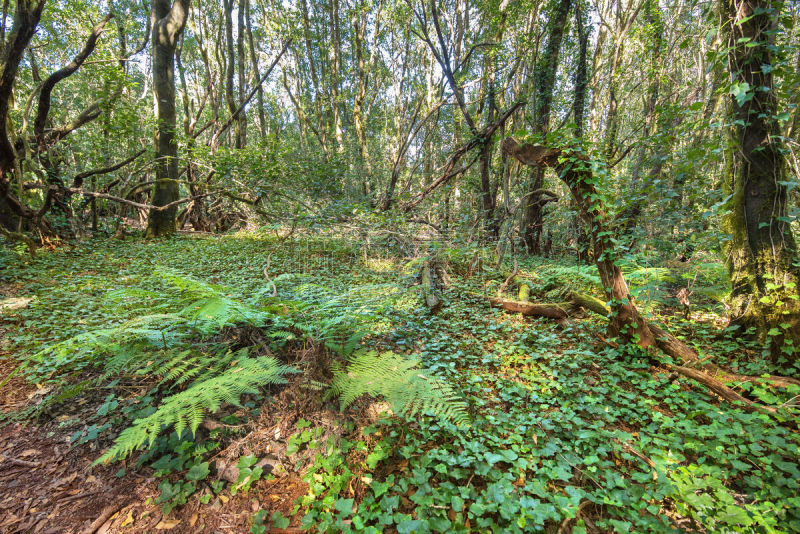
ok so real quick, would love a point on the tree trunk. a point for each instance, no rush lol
(241, 120)
(762, 253)
(335, 57)
(544, 85)
(574, 169)
(168, 24)
(262, 121)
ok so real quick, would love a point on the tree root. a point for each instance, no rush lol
(665, 341)
(19, 236)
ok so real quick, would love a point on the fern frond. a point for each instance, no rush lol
(408, 389)
(188, 408)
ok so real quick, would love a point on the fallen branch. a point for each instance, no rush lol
(20, 463)
(664, 340)
(107, 513)
(551, 311)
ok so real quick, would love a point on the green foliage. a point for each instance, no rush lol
(408, 390)
(188, 408)
(552, 415)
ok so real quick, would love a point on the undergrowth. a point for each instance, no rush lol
(539, 427)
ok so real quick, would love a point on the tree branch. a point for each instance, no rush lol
(235, 115)
(62, 73)
(77, 181)
(482, 137)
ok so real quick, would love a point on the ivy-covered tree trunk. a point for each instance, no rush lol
(168, 24)
(761, 252)
(575, 170)
(544, 86)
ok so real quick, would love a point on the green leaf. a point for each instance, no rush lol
(279, 521)
(344, 506)
(198, 471)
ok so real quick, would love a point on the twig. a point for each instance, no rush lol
(21, 463)
(105, 515)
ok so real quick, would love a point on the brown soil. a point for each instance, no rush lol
(50, 487)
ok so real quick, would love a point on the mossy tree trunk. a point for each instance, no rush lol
(761, 251)
(168, 24)
(575, 170)
(545, 82)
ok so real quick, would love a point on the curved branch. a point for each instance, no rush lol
(62, 73)
(77, 181)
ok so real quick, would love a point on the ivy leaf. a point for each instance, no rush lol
(742, 92)
(344, 506)
(198, 471)
(279, 521)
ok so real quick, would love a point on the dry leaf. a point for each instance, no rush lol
(28, 452)
(128, 520)
(168, 524)
(193, 520)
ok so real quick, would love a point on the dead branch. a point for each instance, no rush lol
(551, 311)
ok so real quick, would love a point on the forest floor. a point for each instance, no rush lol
(567, 431)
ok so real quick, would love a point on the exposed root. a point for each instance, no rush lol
(665, 341)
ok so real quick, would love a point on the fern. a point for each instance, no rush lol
(188, 408)
(174, 345)
(408, 390)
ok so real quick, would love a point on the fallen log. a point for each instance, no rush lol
(551, 311)
(589, 302)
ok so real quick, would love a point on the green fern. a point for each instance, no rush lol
(188, 408)
(408, 390)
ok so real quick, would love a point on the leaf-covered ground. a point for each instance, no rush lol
(567, 431)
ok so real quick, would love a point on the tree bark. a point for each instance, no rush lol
(762, 253)
(544, 84)
(168, 24)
